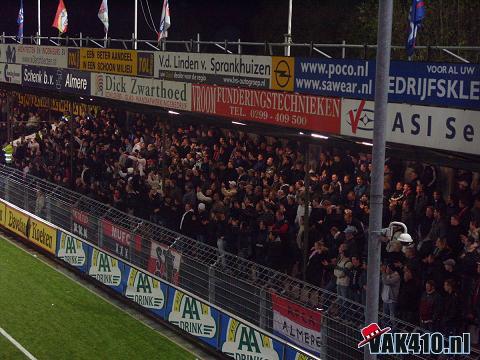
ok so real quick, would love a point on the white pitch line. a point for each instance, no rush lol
(17, 344)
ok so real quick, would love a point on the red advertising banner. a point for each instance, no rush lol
(80, 217)
(81, 224)
(163, 258)
(296, 323)
(120, 235)
(315, 113)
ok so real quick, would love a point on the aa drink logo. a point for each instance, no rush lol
(144, 290)
(192, 316)
(71, 250)
(105, 269)
(244, 342)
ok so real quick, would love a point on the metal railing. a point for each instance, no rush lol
(235, 284)
(365, 51)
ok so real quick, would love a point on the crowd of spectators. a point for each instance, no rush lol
(245, 194)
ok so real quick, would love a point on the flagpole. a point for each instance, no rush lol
(289, 32)
(135, 33)
(39, 27)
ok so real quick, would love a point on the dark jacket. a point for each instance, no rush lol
(451, 315)
(430, 309)
(409, 297)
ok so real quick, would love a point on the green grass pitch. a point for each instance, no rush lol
(53, 317)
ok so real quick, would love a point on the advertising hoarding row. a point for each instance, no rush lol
(423, 83)
(437, 128)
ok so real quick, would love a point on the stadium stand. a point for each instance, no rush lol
(245, 194)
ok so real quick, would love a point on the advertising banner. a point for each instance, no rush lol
(63, 80)
(270, 107)
(119, 240)
(296, 324)
(146, 291)
(112, 61)
(59, 105)
(442, 84)
(43, 235)
(16, 222)
(259, 72)
(168, 94)
(432, 127)
(72, 251)
(2, 213)
(11, 73)
(49, 56)
(84, 226)
(165, 263)
(193, 316)
(244, 342)
(106, 269)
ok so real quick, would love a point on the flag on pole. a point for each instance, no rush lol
(164, 21)
(20, 21)
(61, 18)
(417, 13)
(103, 14)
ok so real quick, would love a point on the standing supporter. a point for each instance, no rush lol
(409, 296)
(355, 288)
(430, 308)
(451, 315)
(390, 288)
(342, 271)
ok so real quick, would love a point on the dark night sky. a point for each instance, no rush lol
(213, 19)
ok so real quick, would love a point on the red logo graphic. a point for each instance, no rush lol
(371, 332)
(355, 117)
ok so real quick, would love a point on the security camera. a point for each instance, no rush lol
(397, 231)
(405, 238)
